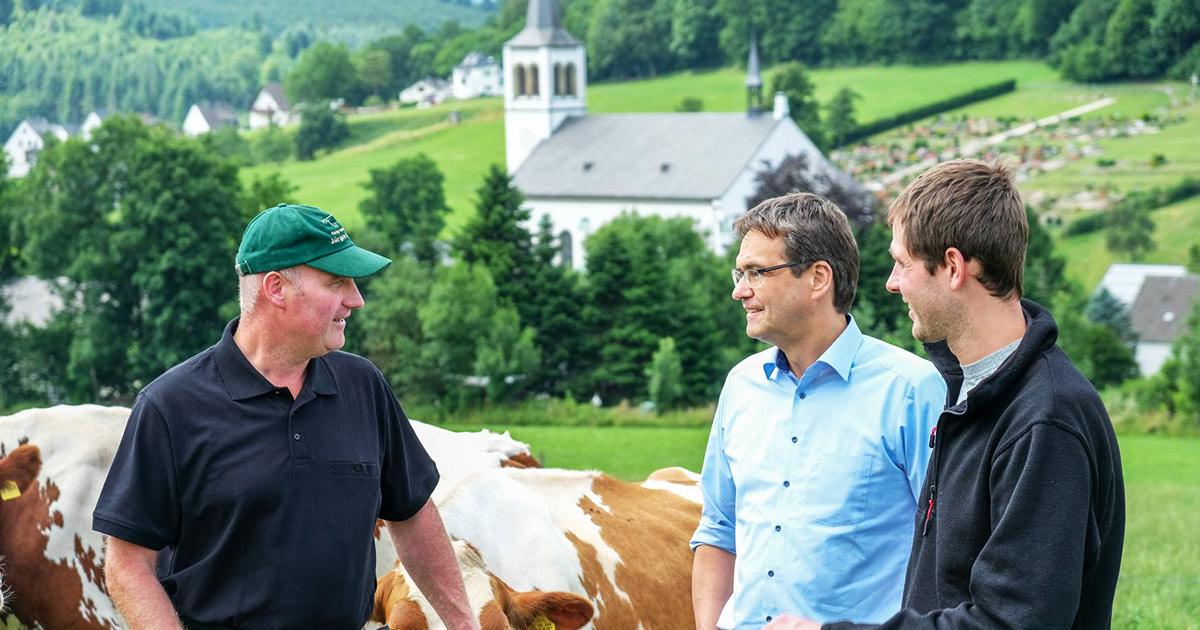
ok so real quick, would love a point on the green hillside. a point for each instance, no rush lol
(465, 151)
(279, 14)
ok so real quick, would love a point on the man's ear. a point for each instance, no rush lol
(958, 268)
(275, 288)
(822, 278)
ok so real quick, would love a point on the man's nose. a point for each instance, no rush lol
(354, 299)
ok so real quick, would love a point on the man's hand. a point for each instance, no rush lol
(788, 622)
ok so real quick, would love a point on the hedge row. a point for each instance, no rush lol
(925, 111)
(1140, 200)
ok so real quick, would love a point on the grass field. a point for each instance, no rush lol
(1159, 585)
(1176, 227)
(464, 152)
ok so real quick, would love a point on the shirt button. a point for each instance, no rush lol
(296, 436)
(803, 395)
(793, 439)
(778, 528)
(770, 574)
(785, 484)
(768, 617)
(358, 468)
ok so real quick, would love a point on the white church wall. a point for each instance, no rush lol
(785, 139)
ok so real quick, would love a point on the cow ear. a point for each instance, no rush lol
(21, 467)
(567, 611)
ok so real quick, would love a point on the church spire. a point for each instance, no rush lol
(754, 81)
(543, 26)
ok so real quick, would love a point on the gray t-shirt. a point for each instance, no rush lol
(975, 372)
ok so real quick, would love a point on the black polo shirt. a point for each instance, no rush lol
(263, 506)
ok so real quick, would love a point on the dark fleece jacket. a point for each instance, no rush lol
(1027, 520)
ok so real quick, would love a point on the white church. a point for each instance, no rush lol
(585, 170)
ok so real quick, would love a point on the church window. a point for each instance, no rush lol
(519, 80)
(559, 80)
(569, 75)
(533, 80)
(565, 254)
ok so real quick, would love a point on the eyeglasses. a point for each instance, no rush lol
(754, 277)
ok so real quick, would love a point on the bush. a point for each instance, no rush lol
(1105, 162)
(1157, 160)
(690, 104)
(1085, 225)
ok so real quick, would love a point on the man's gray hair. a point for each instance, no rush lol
(250, 287)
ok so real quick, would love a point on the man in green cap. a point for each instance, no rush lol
(246, 488)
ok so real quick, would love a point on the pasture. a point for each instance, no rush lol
(1160, 575)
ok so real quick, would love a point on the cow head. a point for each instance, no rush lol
(17, 472)
(497, 606)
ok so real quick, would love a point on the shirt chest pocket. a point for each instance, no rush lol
(837, 488)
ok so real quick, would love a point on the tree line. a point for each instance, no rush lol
(63, 59)
(137, 228)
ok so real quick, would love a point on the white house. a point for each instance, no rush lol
(1158, 315)
(430, 90)
(27, 141)
(270, 107)
(477, 75)
(205, 117)
(1124, 280)
(92, 123)
(584, 170)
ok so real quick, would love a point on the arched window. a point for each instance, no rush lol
(559, 80)
(565, 253)
(519, 80)
(569, 89)
(533, 80)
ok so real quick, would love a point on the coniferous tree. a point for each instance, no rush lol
(496, 237)
(557, 303)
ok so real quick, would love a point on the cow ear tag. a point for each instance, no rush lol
(541, 622)
(10, 491)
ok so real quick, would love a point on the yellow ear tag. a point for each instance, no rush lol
(9, 491)
(541, 622)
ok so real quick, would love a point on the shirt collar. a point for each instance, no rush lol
(243, 381)
(839, 355)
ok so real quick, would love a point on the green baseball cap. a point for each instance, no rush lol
(289, 235)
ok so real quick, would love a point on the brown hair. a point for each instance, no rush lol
(972, 206)
(813, 229)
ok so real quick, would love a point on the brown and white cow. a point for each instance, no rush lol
(623, 547)
(18, 469)
(54, 561)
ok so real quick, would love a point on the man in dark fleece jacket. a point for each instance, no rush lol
(1022, 514)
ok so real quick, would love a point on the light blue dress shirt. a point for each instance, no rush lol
(812, 480)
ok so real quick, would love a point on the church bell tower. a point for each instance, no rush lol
(545, 81)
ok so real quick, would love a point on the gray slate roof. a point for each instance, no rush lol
(475, 59)
(218, 114)
(276, 92)
(1162, 306)
(543, 26)
(623, 155)
(1124, 280)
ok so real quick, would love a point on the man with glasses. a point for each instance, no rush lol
(819, 444)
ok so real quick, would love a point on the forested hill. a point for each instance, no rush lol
(338, 18)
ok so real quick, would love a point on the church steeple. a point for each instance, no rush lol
(545, 81)
(543, 26)
(754, 81)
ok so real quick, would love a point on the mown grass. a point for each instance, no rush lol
(1176, 227)
(1159, 586)
(628, 453)
(464, 152)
